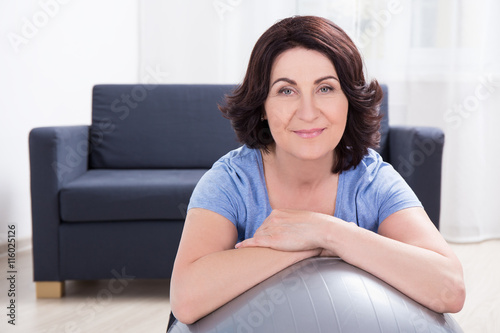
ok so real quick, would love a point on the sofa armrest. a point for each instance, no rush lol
(57, 156)
(416, 153)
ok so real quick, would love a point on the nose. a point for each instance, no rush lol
(307, 110)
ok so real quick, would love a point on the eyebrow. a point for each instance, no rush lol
(290, 81)
(326, 78)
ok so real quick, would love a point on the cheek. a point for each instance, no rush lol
(278, 115)
(277, 127)
(335, 111)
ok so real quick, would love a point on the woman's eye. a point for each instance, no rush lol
(286, 91)
(325, 89)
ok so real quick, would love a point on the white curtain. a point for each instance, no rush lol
(440, 58)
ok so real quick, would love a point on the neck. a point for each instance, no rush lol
(297, 172)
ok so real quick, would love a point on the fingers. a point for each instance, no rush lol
(250, 242)
(240, 244)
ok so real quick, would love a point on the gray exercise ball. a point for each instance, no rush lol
(321, 295)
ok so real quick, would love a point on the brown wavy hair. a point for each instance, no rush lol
(245, 106)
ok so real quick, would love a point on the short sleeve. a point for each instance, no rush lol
(235, 188)
(392, 193)
(373, 191)
(217, 192)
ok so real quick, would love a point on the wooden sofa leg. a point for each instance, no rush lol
(50, 289)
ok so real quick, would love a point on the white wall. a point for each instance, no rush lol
(51, 54)
(204, 41)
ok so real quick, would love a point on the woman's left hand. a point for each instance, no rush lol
(290, 230)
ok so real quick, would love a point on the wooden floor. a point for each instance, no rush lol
(143, 305)
(481, 261)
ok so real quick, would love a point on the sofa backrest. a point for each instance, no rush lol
(136, 126)
(159, 126)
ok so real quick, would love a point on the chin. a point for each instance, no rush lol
(313, 153)
(308, 150)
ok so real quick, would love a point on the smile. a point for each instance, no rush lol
(309, 134)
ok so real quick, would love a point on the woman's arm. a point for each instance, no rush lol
(209, 272)
(408, 252)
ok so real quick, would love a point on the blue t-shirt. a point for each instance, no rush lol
(235, 188)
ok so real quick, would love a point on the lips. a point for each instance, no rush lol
(309, 133)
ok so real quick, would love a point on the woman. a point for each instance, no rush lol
(306, 183)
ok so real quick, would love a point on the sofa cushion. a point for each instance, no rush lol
(159, 126)
(127, 195)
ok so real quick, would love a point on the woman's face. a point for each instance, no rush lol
(306, 107)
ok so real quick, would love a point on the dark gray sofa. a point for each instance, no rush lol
(110, 198)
